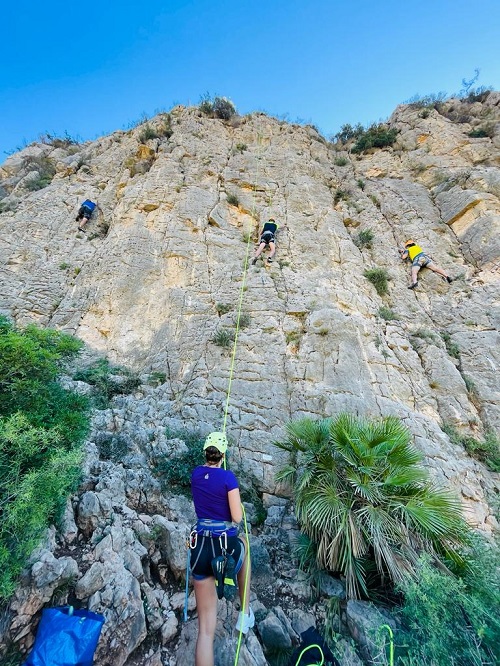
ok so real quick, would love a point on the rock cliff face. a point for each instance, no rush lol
(159, 274)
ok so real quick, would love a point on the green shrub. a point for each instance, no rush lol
(341, 161)
(218, 107)
(45, 171)
(364, 238)
(360, 183)
(449, 620)
(376, 136)
(241, 147)
(223, 337)
(387, 314)
(41, 428)
(232, 200)
(483, 131)
(427, 101)
(348, 132)
(340, 195)
(223, 308)
(424, 334)
(59, 141)
(224, 108)
(107, 381)
(175, 472)
(379, 278)
(31, 360)
(363, 497)
(112, 446)
(245, 320)
(157, 377)
(486, 451)
(451, 347)
(8, 206)
(147, 133)
(163, 129)
(63, 266)
(206, 105)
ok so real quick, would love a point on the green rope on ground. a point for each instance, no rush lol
(309, 647)
(245, 586)
(391, 643)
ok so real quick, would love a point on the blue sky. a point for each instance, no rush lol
(89, 68)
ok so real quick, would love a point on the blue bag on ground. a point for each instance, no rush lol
(66, 637)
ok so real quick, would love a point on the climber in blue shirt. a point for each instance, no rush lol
(85, 213)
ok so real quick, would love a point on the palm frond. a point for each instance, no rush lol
(363, 498)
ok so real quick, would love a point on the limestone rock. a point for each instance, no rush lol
(173, 539)
(274, 631)
(159, 274)
(364, 621)
(91, 509)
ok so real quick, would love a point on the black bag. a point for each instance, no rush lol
(312, 651)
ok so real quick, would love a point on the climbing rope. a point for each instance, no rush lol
(245, 586)
(391, 642)
(224, 423)
(240, 305)
(235, 343)
(310, 647)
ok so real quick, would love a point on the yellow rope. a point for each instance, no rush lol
(310, 647)
(245, 587)
(240, 304)
(233, 356)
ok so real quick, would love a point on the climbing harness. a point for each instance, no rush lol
(223, 565)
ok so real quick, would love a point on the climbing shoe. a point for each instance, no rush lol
(82, 229)
(254, 261)
(449, 279)
(244, 621)
(269, 260)
(218, 567)
(412, 286)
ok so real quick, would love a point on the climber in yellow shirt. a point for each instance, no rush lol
(419, 260)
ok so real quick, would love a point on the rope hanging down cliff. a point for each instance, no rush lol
(240, 300)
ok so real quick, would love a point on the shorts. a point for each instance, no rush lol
(209, 547)
(267, 237)
(421, 260)
(84, 212)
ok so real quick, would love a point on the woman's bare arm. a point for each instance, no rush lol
(235, 505)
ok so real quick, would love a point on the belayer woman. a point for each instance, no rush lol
(216, 550)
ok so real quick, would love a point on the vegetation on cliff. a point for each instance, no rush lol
(369, 511)
(42, 426)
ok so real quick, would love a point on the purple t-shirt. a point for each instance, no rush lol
(210, 486)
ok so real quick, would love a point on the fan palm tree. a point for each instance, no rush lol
(363, 498)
